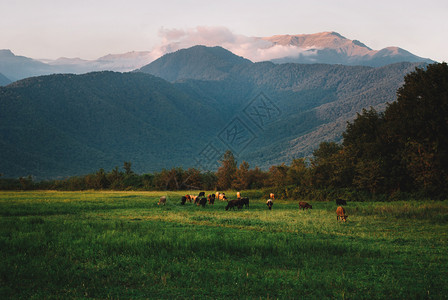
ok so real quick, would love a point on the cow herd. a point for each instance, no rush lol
(241, 202)
(201, 200)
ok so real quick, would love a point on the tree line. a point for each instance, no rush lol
(392, 154)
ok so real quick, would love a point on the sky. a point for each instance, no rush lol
(90, 29)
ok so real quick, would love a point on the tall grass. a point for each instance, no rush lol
(123, 245)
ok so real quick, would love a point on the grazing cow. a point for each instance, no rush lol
(162, 200)
(222, 197)
(183, 200)
(340, 213)
(245, 202)
(193, 198)
(202, 202)
(271, 196)
(341, 202)
(201, 194)
(269, 203)
(211, 199)
(238, 195)
(234, 203)
(303, 205)
(196, 199)
(188, 198)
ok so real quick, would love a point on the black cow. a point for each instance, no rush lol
(234, 203)
(305, 205)
(201, 194)
(183, 200)
(211, 199)
(203, 202)
(341, 202)
(269, 203)
(245, 202)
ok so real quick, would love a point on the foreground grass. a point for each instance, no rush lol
(123, 245)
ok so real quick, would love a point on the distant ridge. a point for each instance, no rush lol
(333, 48)
(17, 67)
(324, 47)
(198, 62)
(4, 80)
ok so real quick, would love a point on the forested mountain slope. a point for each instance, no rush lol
(61, 125)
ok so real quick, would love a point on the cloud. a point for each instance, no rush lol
(253, 48)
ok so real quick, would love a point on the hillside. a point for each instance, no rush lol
(60, 125)
(315, 100)
(4, 80)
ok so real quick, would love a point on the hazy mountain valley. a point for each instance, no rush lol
(203, 98)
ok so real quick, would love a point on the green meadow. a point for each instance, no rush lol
(123, 245)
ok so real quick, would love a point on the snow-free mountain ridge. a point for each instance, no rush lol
(325, 47)
(333, 48)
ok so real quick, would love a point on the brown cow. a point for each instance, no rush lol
(162, 200)
(303, 205)
(194, 199)
(271, 196)
(234, 203)
(340, 212)
(211, 199)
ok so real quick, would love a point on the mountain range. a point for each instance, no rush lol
(333, 48)
(185, 109)
(16, 67)
(325, 47)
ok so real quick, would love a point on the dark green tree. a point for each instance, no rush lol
(127, 167)
(115, 177)
(242, 179)
(191, 179)
(330, 166)
(417, 125)
(278, 175)
(366, 149)
(226, 172)
(298, 173)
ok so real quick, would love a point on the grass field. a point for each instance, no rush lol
(123, 245)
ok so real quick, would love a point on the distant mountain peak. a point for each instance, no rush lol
(6, 52)
(197, 62)
(332, 48)
(127, 55)
(217, 52)
(329, 39)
